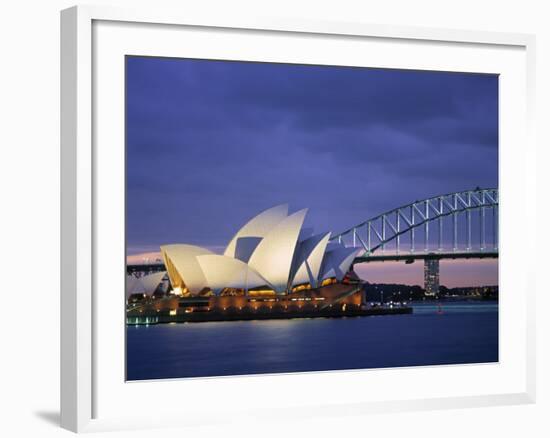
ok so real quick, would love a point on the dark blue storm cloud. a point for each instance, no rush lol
(212, 143)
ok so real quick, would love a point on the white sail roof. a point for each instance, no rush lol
(271, 250)
(273, 256)
(182, 265)
(337, 262)
(257, 227)
(146, 284)
(151, 281)
(133, 286)
(222, 271)
(308, 259)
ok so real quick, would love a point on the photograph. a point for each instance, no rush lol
(291, 218)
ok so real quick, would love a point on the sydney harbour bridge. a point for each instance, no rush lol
(460, 225)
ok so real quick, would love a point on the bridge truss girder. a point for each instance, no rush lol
(375, 233)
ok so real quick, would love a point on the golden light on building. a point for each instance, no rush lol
(270, 263)
(270, 255)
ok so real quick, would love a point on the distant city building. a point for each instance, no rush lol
(431, 277)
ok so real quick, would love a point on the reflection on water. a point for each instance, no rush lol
(453, 333)
(455, 307)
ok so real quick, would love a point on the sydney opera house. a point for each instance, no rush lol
(272, 265)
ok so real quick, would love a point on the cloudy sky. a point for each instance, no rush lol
(212, 143)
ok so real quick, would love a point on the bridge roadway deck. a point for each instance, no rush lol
(405, 256)
(411, 257)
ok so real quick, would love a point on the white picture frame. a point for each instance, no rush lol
(83, 369)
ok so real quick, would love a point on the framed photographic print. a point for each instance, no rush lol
(255, 208)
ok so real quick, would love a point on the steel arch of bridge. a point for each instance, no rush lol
(375, 233)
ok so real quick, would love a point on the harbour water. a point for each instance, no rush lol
(455, 333)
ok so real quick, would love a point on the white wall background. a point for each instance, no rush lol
(29, 214)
